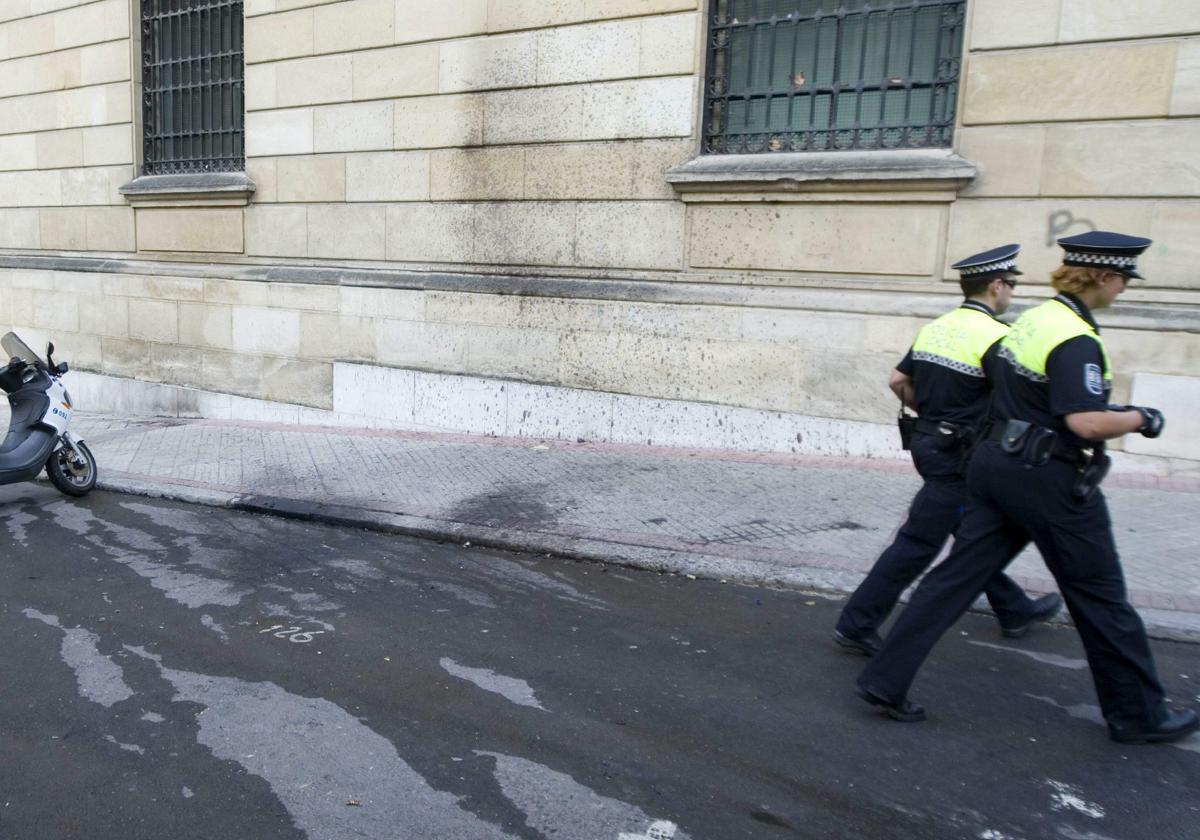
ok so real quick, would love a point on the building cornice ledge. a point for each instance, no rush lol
(918, 303)
(901, 170)
(200, 189)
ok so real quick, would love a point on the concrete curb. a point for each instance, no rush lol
(1169, 625)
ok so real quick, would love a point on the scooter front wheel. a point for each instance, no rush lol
(72, 473)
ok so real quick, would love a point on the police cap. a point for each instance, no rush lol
(1104, 249)
(994, 263)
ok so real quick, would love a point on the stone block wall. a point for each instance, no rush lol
(469, 133)
(521, 146)
(279, 341)
(1083, 113)
(66, 141)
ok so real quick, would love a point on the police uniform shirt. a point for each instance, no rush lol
(947, 364)
(1077, 378)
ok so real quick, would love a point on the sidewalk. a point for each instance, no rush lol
(780, 520)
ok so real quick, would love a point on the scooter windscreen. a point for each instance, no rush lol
(14, 346)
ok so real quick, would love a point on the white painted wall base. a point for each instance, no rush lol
(378, 397)
(369, 396)
(419, 400)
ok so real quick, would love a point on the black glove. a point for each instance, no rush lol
(1152, 421)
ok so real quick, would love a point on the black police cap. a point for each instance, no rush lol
(994, 263)
(1104, 249)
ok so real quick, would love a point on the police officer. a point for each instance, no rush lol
(1035, 477)
(942, 378)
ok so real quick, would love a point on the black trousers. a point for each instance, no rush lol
(933, 516)
(1012, 504)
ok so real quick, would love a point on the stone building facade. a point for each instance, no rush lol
(494, 216)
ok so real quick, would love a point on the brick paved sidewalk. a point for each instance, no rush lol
(774, 519)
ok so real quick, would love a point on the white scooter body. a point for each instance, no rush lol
(38, 435)
(59, 413)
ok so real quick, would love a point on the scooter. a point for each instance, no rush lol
(37, 430)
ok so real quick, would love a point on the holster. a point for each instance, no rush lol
(1091, 475)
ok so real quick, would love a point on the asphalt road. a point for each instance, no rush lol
(184, 672)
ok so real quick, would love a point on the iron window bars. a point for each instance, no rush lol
(192, 92)
(831, 75)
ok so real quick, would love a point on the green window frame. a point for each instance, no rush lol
(831, 75)
(193, 109)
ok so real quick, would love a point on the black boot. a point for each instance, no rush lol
(1175, 724)
(1043, 608)
(868, 644)
(901, 710)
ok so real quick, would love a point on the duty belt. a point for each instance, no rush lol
(1036, 444)
(949, 437)
(941, 427)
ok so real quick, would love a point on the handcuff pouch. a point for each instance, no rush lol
(1033, 444)
(949, 437)
(1013, 439)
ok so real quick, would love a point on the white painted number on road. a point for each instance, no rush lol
(293, 634)
(659, 830)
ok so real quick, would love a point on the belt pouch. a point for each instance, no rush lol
(948, 437)
(1039, 445)
(1013, 441)
(908, 425)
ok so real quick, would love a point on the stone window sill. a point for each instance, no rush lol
(937, 172)
(203, 189)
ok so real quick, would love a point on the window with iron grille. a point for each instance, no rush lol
(192, 86)
(831, 75)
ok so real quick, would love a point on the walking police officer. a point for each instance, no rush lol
(942, 378)
(1035, 477)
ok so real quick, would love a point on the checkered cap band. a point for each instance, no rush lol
(1086, 258)
(1002, 265)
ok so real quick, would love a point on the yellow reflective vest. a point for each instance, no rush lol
(958, 340)
(1032, 339)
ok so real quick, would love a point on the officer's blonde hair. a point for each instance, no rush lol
(1076, 279)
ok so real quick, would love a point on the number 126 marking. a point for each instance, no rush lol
(293, 634)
